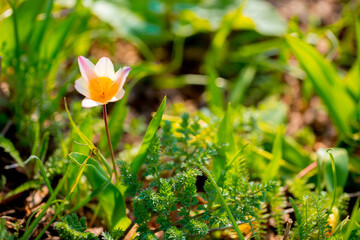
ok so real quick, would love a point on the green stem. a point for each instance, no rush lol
(335, 183)
(319, 176)
(223, 202)
(109, 142)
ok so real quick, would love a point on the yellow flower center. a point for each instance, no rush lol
(102, 89)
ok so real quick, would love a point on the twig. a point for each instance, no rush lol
(355, 194)
(307, 170)
(127, 230)
(9, 123)
(287, 230)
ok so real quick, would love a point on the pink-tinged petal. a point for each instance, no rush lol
(121, 76)
(82, 86)
(105, 68)
(86, 68)
(118, 96)
(88, 103)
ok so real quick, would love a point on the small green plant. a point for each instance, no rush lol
(72, 228)
(113, 235)
(171, 194)
(311, 217)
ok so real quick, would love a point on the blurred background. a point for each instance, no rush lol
(199, 53)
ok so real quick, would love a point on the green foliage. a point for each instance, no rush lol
(278, 203)
(113, 235)
(35, 49)
(4, 234)
(246, 55)
(311, 217)
(174, 233)
(109, 196)
(171, 171)
(341, 161)
(197, 229)
(300, 187)
(260, 223)
(129, 179)
(72, 228)
(274, 165)
(8, 147)
(327, 84)
(149, 135)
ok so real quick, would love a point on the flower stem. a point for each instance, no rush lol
(223, 202)
(109, 142)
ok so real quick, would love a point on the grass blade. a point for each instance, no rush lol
(274, 165)
(327, 83)
(149, 135)
(241, 84)
(8, 147)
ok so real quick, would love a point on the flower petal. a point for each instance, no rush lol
(88, 103)
(121, 76)
(86, 68)
(118, 96)
(105, 68)
(82, 86)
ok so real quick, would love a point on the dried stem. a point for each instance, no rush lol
(287, 230)
(307, 170)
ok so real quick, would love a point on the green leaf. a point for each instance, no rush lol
(56, 37)
(215, 97)
(87, 141)
(78, 131)
(357, 26)
(327, 83)
(353, 220)
(293, 152)
(272, 169)
(265, 18)
(23, 187)
(149, 135)
(44, 145)
(241, 84)
(86, 127)
(341, 158)
(224, 138)
(42, 171)
(352, 79)
(110, 199)
(225, 131)
(129, 24)
(8, 147)
(26, 13)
